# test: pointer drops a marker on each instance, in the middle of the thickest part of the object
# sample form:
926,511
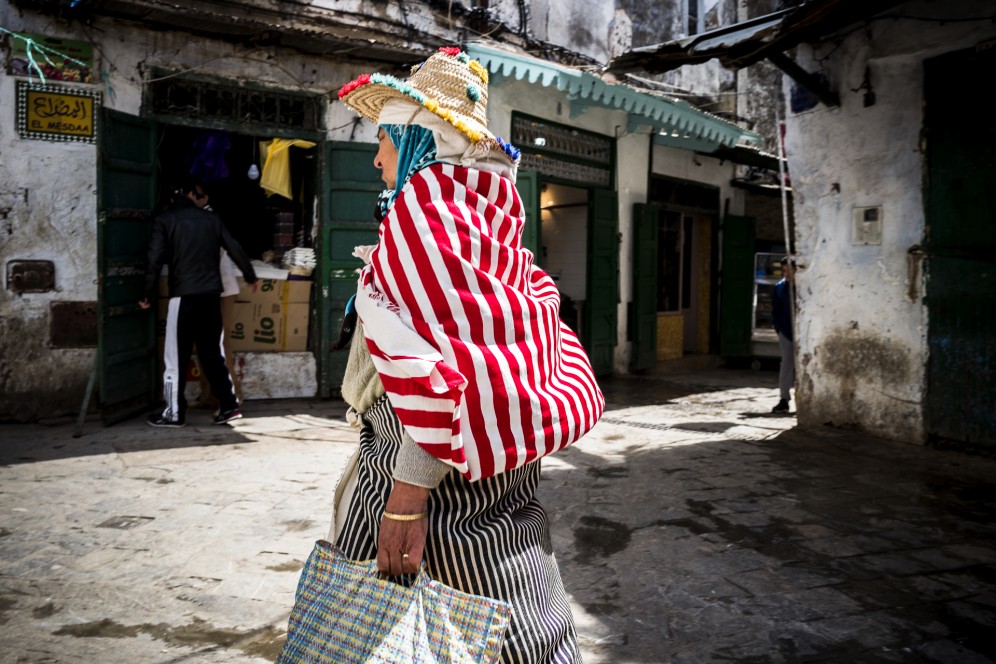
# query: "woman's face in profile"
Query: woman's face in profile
387,160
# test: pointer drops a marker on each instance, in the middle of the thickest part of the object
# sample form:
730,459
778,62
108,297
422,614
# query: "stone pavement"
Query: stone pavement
691,526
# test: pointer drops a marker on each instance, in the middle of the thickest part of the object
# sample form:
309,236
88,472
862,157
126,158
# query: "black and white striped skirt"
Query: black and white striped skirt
488,538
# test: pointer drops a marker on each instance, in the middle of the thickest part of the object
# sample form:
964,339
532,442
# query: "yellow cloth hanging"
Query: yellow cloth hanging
276,176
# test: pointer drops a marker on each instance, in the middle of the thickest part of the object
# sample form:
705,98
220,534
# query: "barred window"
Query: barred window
185,98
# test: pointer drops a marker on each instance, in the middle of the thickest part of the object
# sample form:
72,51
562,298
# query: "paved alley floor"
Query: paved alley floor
691,526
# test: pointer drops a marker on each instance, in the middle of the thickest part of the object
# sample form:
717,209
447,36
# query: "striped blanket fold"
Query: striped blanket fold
465,331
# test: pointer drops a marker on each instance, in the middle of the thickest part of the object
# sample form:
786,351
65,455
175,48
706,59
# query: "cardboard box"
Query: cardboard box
273,327
272,315
280,291
296,322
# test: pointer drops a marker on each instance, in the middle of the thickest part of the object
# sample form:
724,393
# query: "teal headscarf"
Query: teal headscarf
416,150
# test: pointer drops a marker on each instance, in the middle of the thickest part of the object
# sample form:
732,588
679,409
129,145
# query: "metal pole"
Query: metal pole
788,238
785,216
85,406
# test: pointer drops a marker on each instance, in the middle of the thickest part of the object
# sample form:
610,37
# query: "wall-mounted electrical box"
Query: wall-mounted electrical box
867,225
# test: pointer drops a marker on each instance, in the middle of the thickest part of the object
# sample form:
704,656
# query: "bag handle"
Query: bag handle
417,581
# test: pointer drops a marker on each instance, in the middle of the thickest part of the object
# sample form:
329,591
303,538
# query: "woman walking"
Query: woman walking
460,375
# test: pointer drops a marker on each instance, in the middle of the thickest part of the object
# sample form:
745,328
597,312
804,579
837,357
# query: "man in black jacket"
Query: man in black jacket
189,239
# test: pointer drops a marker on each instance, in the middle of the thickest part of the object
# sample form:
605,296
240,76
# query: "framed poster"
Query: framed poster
57,113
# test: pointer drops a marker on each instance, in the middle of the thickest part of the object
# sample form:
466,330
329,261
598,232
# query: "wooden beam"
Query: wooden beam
805,79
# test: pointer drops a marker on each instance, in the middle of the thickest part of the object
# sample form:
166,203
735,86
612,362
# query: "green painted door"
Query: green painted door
736,286
350,185
126,335
644,308
601,314
960,249
527,184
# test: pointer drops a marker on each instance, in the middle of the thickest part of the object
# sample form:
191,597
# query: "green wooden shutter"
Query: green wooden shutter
960,402
527,184
601,316
644,308
736,288
126,334
350,185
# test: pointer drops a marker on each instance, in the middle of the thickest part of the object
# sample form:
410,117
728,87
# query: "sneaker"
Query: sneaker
781,407
228,416
157,420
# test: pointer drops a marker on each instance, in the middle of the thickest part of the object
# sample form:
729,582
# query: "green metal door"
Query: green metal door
527,184
601,316
960,250
126,335
736,286
350,185
644,318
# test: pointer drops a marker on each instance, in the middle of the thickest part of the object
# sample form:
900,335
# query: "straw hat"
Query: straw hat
449,84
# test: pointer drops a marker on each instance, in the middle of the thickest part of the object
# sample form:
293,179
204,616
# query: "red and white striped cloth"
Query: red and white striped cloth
465,331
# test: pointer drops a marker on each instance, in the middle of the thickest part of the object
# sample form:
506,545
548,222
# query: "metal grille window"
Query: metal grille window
563,152
184,98
566,170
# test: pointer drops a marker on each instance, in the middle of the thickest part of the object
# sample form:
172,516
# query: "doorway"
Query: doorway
685,282
269,208
564,248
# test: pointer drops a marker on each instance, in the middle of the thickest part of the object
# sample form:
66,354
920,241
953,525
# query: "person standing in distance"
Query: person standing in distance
189,239
781,313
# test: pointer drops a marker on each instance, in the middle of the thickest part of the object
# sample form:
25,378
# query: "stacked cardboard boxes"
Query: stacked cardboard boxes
271,315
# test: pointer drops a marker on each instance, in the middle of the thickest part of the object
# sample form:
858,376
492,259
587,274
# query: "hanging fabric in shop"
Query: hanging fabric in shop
207,156
276,178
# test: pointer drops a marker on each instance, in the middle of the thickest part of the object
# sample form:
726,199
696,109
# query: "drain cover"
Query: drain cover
124,522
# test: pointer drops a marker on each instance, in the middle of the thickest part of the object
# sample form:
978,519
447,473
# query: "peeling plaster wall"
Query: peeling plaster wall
861,326
590,27
48,203
47,212
759,95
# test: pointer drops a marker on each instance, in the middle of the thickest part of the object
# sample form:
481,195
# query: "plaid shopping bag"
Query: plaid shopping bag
346,613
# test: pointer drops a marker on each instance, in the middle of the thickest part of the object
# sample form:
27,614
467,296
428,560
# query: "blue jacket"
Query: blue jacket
781,309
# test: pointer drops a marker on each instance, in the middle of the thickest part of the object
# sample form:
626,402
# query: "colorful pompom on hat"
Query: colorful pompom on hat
449,84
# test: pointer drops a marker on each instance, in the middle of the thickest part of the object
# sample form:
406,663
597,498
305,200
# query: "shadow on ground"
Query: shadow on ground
812,546
649,389
29,443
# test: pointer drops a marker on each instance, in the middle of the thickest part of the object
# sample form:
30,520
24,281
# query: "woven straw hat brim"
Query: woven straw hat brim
368,99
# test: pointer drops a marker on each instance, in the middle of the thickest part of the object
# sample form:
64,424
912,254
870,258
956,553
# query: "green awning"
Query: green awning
684,125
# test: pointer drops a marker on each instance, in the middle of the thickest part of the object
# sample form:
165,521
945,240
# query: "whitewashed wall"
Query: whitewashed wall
48,204
861,323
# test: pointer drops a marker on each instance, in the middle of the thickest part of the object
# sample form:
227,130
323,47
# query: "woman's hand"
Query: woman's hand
398,538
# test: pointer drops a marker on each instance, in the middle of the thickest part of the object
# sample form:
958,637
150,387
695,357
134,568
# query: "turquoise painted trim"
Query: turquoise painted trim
686,143
585,90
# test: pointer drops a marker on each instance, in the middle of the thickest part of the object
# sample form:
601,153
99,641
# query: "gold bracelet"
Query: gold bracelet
405,517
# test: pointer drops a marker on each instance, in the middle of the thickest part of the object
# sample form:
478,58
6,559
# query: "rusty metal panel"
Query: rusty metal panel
72,325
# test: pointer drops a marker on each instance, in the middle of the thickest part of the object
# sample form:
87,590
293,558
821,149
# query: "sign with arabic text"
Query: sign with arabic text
57,113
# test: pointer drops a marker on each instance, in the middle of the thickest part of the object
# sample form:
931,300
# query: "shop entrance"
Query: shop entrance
686,222
264,190
569,173
142,158
564,250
